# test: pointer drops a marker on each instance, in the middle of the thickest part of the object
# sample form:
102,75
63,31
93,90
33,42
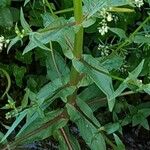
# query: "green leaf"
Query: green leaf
49,89
132,76
120,145
56,31
141,39
40,129
6,19
89,133
39,43
4,3
26,59
33,115
62,93
26,1
19,72
91,94
85,81
1,137
88,22
73,141
145,124
91,7
96,73
135,73
25,99
120,32
112,127
57,67
87,111
24,24
114,63
62,143
137,119
14,125
13,42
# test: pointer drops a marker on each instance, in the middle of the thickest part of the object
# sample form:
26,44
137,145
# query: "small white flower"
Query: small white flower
1,39
109,17
147,35
7,41
138,3
103,29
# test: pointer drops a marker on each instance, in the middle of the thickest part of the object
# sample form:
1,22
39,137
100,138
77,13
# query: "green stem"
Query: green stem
63,11
128,40
8,80
49,6
78,43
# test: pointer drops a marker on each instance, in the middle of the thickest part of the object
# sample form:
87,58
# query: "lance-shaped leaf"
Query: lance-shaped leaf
99,76
89,133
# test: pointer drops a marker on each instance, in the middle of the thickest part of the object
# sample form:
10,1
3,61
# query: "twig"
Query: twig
66,139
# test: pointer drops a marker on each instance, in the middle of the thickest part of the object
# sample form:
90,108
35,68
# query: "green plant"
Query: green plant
73,78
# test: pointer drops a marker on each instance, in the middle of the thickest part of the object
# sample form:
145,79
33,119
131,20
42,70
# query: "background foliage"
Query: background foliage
79,91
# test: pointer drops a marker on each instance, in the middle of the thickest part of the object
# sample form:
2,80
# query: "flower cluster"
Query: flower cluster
138,3
3,42
106,17
19,33
104,50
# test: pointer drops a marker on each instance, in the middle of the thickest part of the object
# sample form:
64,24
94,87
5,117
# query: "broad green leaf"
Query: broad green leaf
120,32
88,22
4,3
49,89
91,7
98,75
62,93
91,94
32,115
114,63
56,66
40,129
112,127
85,81
39,43
118,2
19,118
94,6
87,111
89,133
48,20
145,124
6,19
58,31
